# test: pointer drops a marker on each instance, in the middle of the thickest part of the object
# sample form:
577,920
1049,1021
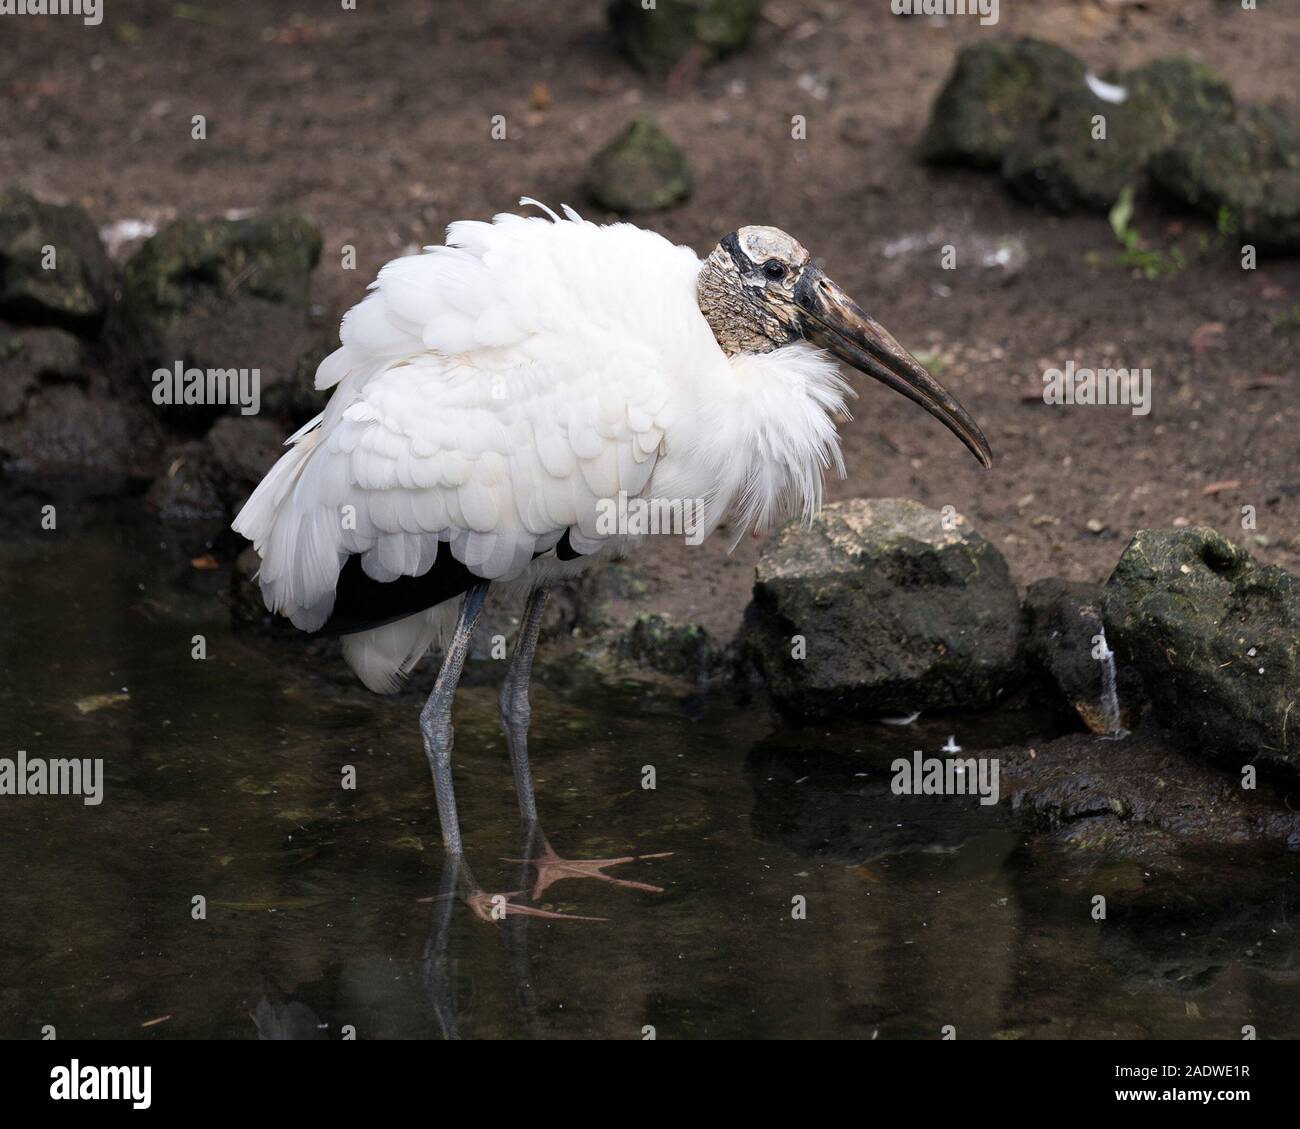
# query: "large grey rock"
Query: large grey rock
998,92
1249,166
896,613
75,292
657,38
1216,639
641,170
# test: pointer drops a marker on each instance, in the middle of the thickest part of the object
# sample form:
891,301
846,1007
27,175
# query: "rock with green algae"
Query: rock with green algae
222,294
268,257
998,92
655,642
1248,166
641,170
884,606
657,38
53,267
1067,141
1215,637
1087,150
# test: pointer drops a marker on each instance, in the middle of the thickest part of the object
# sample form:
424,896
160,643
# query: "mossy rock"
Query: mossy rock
642,170
74,293
222,294
997,93
654,642
1216,638
1248,166
882,606
1064,166
268,257
657,39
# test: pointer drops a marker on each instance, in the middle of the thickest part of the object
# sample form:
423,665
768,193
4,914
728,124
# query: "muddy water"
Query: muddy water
324,905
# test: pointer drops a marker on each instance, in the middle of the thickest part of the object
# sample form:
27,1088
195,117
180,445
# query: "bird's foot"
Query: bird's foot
551,868
497,907
459,881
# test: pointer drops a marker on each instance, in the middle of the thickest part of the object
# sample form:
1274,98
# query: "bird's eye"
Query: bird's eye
774,269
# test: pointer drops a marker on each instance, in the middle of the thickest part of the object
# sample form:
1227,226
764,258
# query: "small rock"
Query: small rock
191,489
657,38
895,613
683,650
74,293
642,170
1183,607
244,449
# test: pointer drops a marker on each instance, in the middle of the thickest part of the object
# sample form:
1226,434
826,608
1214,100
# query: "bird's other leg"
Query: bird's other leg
515,710
435,725
435,718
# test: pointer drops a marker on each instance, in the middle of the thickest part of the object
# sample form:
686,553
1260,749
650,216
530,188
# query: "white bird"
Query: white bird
495,397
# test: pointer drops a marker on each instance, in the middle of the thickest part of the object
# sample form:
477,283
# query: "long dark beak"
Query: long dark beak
831,319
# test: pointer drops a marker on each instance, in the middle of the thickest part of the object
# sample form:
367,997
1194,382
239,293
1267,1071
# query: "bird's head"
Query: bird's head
760,290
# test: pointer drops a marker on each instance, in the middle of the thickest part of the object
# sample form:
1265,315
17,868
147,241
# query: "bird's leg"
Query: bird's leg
515,714
515,710
435,718
435,725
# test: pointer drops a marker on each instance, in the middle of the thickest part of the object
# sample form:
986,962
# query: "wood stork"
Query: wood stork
493,394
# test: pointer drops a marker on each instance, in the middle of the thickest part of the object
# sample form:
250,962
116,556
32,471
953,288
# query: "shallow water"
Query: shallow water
324,905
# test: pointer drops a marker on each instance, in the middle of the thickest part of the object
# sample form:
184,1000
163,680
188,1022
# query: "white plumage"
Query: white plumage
489,393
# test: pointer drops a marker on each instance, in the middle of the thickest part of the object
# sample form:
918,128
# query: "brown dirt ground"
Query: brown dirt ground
375,124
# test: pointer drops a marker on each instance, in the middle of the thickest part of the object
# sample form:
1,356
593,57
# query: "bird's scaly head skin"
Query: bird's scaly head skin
760,290
743,286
